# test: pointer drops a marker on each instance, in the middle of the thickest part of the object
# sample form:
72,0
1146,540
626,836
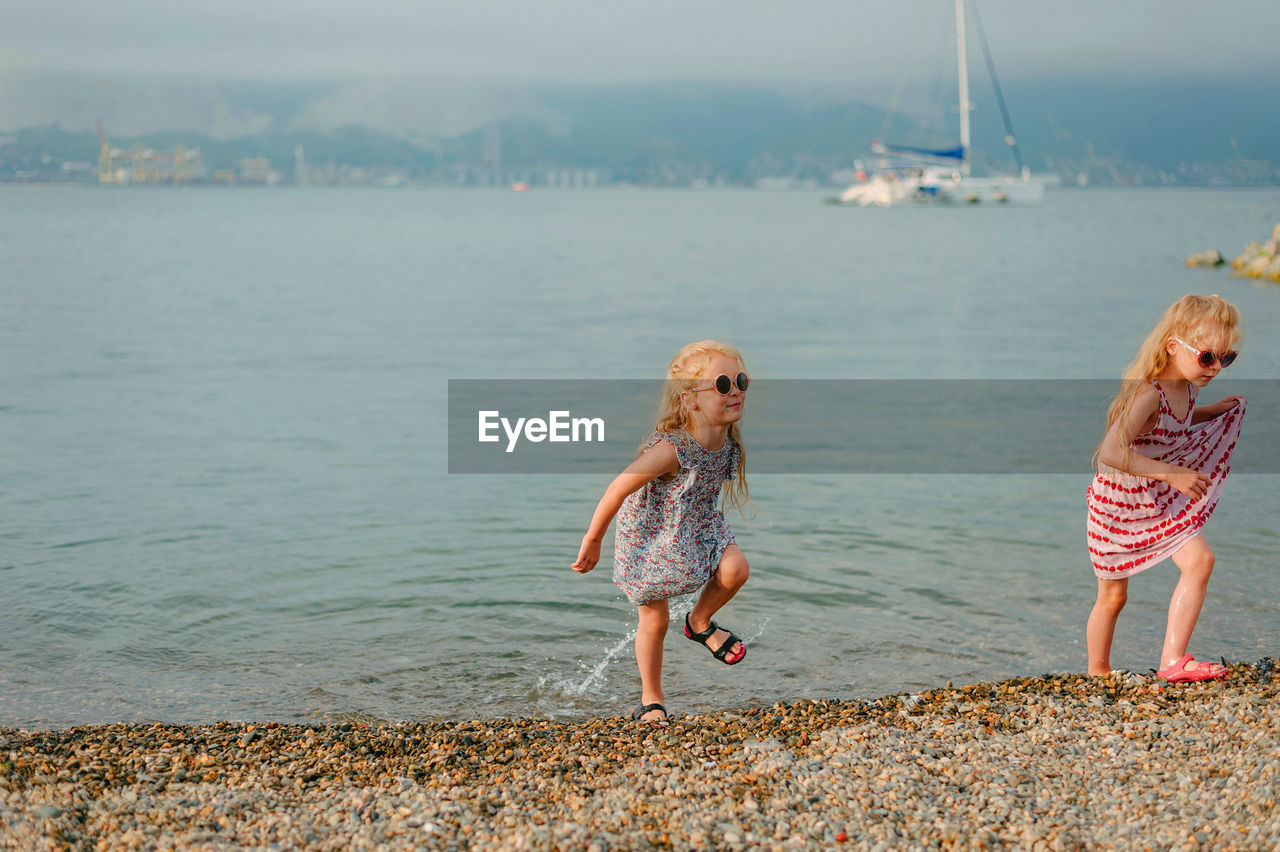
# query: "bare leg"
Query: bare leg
1195,560
719,590
1112,595
649,636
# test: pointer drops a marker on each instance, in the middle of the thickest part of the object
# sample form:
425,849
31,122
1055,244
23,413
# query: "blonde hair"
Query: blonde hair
1190,317
684,372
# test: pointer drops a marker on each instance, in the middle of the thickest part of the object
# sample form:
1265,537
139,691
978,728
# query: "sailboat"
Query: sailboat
943,174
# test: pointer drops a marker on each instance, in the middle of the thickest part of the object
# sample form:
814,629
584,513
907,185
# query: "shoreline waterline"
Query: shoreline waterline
1047,762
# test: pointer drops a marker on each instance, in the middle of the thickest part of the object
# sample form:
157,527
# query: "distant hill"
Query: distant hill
1108,130
1159,122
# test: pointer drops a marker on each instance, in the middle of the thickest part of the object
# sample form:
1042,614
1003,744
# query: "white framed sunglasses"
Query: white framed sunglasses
1206,357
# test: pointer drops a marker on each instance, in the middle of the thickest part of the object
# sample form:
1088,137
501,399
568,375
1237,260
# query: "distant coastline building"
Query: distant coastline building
557,176
300,175
256,170
575,178
143,165
492,142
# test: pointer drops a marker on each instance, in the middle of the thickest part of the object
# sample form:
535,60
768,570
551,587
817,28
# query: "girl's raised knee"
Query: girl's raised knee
734,572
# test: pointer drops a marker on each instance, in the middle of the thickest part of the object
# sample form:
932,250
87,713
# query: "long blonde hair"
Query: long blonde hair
1186,318
683,373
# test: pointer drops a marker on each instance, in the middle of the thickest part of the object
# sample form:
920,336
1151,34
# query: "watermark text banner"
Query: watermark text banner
808,426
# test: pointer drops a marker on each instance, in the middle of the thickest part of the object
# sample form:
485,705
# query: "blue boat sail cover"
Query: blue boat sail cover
956,153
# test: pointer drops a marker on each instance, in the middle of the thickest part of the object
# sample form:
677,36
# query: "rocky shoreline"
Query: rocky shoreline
1051,762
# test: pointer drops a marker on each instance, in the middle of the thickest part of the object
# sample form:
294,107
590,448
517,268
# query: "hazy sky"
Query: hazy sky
810,41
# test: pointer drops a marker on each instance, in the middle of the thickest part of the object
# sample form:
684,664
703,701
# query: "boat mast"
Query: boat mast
964,87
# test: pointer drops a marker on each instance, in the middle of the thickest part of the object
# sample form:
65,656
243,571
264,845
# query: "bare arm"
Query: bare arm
1141,417
660,460
1208,412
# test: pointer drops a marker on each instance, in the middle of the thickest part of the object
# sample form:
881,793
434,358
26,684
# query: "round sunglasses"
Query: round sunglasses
724,385
1205,357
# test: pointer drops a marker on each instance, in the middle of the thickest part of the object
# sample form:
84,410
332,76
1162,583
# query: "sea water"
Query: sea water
224,487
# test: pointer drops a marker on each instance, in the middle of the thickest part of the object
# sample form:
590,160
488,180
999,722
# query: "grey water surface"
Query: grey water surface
223,469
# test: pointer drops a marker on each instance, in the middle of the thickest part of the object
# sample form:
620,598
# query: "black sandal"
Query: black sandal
721,652
641,709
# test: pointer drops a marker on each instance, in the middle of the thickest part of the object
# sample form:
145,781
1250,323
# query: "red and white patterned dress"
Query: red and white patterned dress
1135,522
671,533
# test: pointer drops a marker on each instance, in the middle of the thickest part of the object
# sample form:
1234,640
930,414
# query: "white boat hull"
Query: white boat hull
891,191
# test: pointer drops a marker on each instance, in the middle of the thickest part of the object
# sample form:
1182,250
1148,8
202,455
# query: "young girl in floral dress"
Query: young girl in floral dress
672,538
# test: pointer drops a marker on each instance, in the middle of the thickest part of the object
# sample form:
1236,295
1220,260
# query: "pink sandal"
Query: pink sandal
1179,673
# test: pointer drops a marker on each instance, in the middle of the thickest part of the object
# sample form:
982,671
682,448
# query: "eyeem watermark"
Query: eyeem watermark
560,427
819,426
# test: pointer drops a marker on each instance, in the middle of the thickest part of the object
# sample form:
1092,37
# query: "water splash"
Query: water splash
680,607
759,630
596,676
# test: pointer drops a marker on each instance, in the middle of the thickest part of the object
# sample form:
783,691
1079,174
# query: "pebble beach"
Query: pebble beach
1050,762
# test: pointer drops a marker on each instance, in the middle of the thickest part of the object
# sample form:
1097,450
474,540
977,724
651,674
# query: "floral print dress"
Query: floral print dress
671,533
